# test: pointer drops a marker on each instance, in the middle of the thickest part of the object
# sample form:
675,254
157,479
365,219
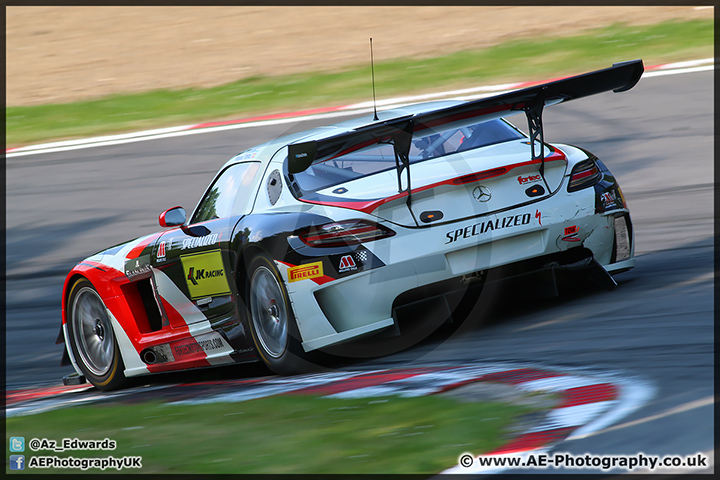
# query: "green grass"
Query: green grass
520,60
282,434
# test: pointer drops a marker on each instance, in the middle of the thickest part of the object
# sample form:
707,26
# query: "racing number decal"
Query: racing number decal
204,274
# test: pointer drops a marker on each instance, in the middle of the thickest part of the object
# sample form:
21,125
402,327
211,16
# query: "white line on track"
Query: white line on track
692,66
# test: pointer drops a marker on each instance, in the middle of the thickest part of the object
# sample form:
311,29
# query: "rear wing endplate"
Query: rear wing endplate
399,131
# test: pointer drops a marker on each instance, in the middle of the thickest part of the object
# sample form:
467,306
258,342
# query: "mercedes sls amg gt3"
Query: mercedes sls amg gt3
322,237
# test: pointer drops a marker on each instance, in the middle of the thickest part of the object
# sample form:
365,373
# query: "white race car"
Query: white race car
323,236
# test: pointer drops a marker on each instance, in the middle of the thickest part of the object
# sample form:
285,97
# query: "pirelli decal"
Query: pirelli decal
303,272
205,275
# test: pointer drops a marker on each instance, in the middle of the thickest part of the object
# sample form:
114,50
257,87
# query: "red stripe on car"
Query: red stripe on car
369,206
138,249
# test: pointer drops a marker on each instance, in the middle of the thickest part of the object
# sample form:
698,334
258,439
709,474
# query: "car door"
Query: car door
193,269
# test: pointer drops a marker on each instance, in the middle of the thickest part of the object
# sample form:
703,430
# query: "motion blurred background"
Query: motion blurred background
62,54
78,72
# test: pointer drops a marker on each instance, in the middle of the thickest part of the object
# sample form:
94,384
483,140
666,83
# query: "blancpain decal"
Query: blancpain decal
490,225
195,242
138,266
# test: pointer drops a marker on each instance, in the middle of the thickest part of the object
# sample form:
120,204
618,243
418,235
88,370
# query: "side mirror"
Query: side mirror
173,217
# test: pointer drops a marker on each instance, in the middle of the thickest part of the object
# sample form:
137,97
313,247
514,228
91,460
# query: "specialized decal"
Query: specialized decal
538,215
529,179
490,225
138,266
347,264
195,242
304,272
204,274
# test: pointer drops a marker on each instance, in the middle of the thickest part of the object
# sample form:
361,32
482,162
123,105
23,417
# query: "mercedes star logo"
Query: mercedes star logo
482,193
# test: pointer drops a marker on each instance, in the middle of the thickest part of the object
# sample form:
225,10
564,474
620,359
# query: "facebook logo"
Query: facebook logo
17,462
17,444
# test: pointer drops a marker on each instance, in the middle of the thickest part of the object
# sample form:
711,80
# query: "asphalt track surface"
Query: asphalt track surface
657,325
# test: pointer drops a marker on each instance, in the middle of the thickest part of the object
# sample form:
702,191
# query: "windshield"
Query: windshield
381,157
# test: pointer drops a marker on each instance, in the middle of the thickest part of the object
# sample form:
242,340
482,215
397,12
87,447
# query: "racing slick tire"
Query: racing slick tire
91,338
272,322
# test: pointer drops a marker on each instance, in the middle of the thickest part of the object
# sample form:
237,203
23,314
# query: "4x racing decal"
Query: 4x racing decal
499,223
204,274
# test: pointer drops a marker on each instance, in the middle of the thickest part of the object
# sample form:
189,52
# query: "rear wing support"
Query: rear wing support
399,131
534,117
401,140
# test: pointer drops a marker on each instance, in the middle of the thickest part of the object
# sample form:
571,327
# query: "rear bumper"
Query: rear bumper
529,238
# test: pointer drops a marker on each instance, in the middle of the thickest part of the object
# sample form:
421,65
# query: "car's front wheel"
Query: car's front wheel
272,323
91,337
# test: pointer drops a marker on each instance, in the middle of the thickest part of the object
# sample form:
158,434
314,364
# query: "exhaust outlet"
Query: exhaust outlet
149,357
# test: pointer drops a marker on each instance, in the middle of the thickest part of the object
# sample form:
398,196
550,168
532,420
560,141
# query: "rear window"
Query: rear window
381,157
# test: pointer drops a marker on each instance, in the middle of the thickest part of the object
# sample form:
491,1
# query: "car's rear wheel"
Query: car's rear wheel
92,339
272,323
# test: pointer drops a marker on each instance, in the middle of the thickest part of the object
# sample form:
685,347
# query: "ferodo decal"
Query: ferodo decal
303,272
204,274
491,225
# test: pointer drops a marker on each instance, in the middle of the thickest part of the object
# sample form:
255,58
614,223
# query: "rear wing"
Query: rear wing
399,131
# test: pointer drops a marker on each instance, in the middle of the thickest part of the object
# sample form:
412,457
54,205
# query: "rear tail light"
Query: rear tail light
585,174
347,232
